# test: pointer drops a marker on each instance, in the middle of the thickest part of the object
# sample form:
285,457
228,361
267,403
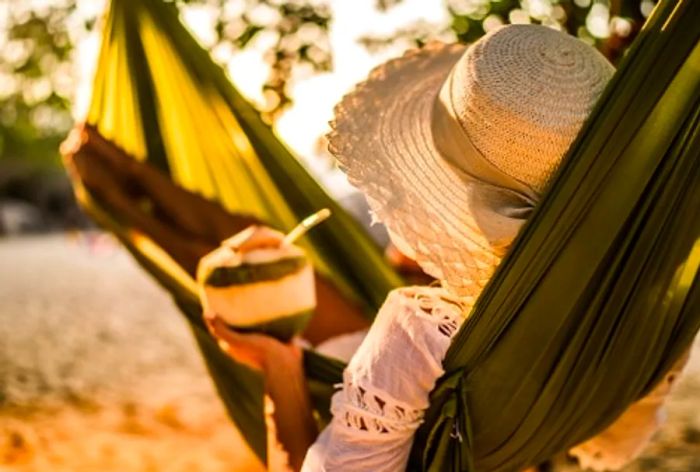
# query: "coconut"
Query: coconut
266,290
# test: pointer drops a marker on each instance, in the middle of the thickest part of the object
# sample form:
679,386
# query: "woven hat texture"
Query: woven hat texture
452,146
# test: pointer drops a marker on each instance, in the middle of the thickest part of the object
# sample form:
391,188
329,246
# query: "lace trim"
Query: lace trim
368,409
439,306
365,408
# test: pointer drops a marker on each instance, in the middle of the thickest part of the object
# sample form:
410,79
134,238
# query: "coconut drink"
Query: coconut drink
265,289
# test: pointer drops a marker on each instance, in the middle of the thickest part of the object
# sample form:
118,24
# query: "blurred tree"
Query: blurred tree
298,30
609,25
36,81
37,46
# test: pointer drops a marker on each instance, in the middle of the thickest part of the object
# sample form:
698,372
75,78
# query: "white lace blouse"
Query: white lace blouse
387,383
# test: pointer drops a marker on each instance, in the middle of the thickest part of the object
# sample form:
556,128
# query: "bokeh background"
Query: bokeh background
97,371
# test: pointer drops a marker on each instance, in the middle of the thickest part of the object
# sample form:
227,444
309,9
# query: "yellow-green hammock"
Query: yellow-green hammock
597,299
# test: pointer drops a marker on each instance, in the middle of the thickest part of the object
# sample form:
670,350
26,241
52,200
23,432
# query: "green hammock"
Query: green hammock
601,292
594,303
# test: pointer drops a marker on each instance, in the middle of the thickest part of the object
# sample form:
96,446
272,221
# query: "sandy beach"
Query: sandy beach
98,372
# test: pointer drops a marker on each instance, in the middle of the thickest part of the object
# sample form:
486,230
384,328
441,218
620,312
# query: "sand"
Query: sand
98,372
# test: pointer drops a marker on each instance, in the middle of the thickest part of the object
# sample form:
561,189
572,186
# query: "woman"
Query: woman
452,149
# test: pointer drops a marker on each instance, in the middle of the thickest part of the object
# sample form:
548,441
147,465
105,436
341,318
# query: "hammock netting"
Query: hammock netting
593,304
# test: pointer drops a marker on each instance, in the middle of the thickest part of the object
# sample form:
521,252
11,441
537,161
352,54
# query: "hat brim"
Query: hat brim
382,139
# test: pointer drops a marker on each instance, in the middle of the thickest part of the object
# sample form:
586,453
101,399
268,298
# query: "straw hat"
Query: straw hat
453,147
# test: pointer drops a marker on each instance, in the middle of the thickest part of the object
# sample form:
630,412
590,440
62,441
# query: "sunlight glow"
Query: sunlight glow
306,120
303,124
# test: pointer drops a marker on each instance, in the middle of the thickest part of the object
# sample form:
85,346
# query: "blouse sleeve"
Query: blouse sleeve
387,383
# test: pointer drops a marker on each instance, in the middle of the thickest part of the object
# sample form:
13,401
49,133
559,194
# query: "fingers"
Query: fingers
74,141
255,237
257,351
242,348
249,340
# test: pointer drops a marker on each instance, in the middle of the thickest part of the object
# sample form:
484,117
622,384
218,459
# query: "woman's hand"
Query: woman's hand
257,351
283,372
255,237
280,363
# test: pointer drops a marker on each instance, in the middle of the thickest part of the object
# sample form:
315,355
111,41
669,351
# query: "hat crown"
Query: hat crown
522,94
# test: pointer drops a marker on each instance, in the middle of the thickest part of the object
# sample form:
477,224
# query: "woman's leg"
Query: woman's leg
185,225
185,210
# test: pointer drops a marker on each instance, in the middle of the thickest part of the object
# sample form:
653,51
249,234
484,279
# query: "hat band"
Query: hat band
499,203
456,146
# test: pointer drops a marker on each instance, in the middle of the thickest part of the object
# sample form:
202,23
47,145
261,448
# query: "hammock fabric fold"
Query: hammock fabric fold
159,97
597,299
600,293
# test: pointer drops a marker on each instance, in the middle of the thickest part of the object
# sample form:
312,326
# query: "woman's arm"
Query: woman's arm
285,383
387,384
280,364
296,427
